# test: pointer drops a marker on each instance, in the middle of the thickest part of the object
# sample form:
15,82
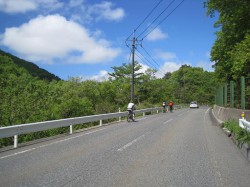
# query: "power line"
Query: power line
145,18
156,18
150,56
149,62
163,19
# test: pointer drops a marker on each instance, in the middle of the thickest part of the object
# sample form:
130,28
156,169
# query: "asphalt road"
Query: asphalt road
183,148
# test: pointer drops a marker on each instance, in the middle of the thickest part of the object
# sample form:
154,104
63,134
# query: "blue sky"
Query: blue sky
85,38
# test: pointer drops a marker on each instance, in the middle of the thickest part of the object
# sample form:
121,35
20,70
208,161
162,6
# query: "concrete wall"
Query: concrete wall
225,114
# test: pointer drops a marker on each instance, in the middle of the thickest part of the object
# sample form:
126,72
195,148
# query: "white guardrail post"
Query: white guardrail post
15,130
71,129
244,124
120,118
15,141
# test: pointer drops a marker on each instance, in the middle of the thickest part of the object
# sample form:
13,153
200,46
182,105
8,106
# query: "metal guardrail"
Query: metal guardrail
244,124
16,130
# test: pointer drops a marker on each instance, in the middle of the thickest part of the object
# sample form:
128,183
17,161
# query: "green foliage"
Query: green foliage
192,83
241,135
241,58
31,68
124,72
230,51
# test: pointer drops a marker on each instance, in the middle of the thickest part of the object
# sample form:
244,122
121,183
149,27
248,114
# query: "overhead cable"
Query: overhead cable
150,56
145,18
149,63
156,18
163,19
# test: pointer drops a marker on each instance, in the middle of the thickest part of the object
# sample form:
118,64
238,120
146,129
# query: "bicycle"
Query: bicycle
171,108
130,116
164,109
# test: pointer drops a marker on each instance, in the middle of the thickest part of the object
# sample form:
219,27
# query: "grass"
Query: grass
241,135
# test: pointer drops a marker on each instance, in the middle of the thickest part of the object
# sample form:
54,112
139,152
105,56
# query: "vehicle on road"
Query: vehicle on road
194,104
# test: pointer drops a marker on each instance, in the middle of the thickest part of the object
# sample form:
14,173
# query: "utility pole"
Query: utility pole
133,69
135,42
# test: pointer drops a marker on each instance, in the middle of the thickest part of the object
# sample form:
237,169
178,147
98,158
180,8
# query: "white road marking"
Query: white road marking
168,121
206,113
180,114
46,145
131,143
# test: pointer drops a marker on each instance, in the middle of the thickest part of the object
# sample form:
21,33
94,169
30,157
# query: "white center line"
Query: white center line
131,143
168,121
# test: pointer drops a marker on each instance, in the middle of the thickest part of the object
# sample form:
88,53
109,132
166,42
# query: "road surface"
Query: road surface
183,148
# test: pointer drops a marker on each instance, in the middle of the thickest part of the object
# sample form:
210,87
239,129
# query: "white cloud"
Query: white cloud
144,68
165,55
75,3
104,11
157,34
46,38
102,76
22,6
73,8
17,6
167,67
205,65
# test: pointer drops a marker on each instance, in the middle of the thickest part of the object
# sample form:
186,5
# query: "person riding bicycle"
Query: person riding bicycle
131,107
164,106
171,104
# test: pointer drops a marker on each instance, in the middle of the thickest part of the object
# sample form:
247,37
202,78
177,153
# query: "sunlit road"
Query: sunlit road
183,148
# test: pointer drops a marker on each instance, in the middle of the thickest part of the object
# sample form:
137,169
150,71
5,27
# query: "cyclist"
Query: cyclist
171,104
164,106
131,108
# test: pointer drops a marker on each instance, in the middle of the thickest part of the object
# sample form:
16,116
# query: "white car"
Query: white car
194,104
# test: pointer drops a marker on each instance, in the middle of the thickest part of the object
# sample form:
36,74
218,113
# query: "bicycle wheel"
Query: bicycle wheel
133,117
128,117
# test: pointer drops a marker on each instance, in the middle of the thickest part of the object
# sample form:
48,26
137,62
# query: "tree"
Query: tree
125,71
167,75
241,58
192,83
234,27
121,77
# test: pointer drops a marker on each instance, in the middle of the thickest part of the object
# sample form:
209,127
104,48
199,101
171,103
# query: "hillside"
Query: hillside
33,69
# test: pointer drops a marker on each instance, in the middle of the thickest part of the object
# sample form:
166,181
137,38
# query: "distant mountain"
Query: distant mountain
33,69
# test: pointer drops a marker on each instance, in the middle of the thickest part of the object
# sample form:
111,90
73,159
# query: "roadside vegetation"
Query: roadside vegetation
239,134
